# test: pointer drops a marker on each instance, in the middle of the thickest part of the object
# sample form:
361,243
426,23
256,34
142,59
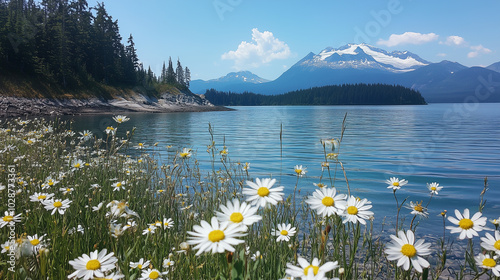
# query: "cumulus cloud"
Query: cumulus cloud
413,38
454,41
263,49
477,50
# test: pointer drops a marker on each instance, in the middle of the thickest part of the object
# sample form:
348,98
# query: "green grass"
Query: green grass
180,190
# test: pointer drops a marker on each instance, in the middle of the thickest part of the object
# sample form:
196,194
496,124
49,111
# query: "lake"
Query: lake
456,145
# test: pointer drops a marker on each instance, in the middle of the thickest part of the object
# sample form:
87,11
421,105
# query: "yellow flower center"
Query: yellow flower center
466,223
408,250
433,188
57,204
284,232
8,218
236,217
68,190
154,275
77,165
328,201
139,266
184,155
93,265
51,183
30,142
119,184
488,262
7,248
140,144
352,210
321,185
298,171
497,245
396,184
216,235
35,242
418,208
315,269
263,191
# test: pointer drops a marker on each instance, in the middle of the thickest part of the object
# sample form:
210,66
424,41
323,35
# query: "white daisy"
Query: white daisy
417,209
98,207
77,164
167,263
284,232
235,213
66,190
49,182
120,119
167,223
140,146
8,246
56,205
39,197
95,265
326,202
150,229
299,170
36,242
110,130
406,251
320,185
395,184
434,188
118,185
186,153
468,227
9,217
491,243
488,262
256,256
307,270
262,192
215,237
112,276
357,210
85,135
141,264
153,274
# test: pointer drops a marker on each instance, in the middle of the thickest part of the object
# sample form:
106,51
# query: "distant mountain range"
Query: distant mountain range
445,81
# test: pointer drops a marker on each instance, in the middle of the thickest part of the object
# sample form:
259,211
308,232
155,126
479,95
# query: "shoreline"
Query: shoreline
11,106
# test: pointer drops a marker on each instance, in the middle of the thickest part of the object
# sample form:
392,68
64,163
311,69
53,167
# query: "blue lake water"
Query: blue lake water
456,145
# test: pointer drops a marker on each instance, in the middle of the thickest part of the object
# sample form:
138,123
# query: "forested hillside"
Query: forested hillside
357,94
64,45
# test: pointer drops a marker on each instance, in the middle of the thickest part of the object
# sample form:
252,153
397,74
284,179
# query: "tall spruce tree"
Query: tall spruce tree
187,77
179,72
171,79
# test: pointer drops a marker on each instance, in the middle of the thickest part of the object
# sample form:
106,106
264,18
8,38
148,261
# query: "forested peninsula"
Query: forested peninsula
347,94
70,56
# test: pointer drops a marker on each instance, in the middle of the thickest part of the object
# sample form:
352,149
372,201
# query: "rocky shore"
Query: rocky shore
19,106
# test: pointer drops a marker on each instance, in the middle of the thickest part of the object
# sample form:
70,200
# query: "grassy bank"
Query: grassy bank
73,199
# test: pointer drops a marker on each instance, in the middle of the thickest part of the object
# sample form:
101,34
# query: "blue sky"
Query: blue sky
215,37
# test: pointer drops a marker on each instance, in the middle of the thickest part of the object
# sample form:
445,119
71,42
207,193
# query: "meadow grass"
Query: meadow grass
127,200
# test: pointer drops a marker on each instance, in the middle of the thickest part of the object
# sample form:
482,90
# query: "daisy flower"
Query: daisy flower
93,266
256,256
406,251
39,197
167,263
141,264
8,246
299,170
98,207
77,164
491,243
140,146
186,153
112,276
305,270
120,119
395,184
215,237
167,223
246,166
284,232
110,130
150,229
357,210
66,190
487,262
49,182
118,185
85,135
36,242
417,209
56,205
434,188
326,202
320,185
235,213
468,227
262,192
152,274
9,217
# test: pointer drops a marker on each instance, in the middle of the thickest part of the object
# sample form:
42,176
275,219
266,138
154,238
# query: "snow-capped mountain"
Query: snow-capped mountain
363,56
231,80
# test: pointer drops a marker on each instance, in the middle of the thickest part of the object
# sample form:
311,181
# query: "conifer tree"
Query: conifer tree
187,77
171,79
180,73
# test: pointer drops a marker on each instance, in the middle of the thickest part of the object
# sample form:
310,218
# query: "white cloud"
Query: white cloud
477,50
454,41
263,49
413,38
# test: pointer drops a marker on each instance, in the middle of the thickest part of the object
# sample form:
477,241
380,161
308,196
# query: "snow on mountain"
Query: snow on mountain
365,56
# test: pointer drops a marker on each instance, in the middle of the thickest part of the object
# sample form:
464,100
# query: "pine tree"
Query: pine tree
187,77
170,72
180,73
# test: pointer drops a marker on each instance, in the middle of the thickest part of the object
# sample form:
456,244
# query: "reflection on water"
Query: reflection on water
423,144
